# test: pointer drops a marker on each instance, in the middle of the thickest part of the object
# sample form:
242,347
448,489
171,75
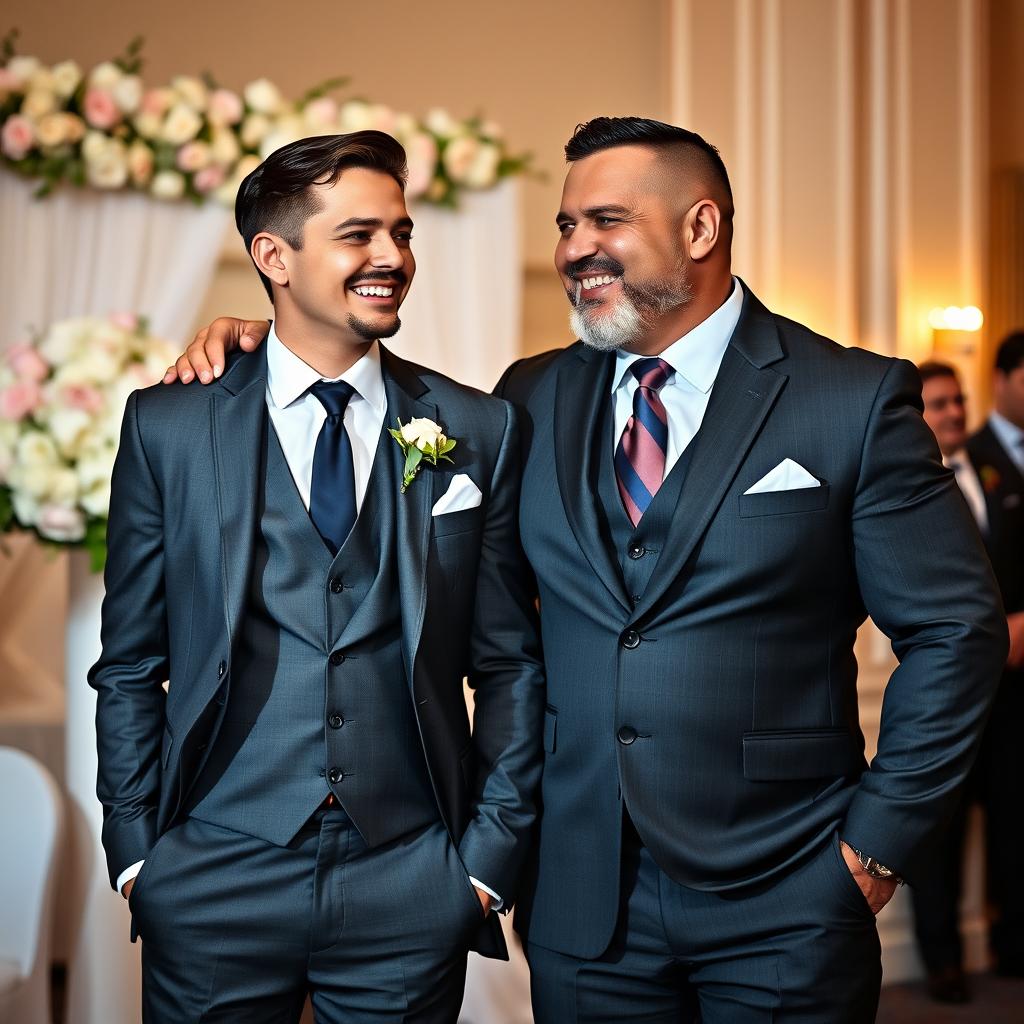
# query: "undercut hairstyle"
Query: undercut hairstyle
702,159
1010,353
933,368
279,195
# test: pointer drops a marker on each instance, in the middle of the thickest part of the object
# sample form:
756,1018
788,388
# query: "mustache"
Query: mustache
593,266
389,276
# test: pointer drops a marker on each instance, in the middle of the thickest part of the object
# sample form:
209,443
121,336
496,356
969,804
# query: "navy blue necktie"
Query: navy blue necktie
332,495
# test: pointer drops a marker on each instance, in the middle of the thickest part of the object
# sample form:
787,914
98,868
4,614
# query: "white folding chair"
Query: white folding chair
31,814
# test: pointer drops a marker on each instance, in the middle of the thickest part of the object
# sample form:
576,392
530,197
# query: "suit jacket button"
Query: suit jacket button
336,585
335,721
637,551
221,669
630,639
627,734
335,775
336,658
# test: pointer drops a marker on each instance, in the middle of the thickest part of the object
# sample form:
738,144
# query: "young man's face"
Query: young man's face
944,412
620,253
1009,395
355,265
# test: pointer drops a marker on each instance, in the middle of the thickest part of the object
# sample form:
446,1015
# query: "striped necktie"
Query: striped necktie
640,455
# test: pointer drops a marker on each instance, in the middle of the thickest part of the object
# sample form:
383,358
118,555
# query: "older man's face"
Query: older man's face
619,254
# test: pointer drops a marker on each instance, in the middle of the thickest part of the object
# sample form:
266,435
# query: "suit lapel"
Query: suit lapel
743,394
583,390
239,419
406,394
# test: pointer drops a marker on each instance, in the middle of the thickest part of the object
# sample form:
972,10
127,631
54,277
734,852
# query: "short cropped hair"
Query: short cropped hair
278,195
605,132
1010,353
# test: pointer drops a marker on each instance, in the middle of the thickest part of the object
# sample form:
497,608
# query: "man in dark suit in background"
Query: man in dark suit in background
714,497
306,811
997,451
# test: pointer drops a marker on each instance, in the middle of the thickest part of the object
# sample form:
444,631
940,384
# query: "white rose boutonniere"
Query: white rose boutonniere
421,440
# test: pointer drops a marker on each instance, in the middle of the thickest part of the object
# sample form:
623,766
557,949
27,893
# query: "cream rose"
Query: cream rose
140,163
224,147
254,128
52,131
128,94
182,125
109,167
192,91
225,108
168,185
66,77
263,96
38,103
193,156
356,116
105,75
423,433
148,125
440,122
22,69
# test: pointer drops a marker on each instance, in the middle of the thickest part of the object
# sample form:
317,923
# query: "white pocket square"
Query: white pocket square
462,494
786,476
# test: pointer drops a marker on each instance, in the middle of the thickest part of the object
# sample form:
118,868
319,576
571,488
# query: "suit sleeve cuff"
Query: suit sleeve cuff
129,873
496,901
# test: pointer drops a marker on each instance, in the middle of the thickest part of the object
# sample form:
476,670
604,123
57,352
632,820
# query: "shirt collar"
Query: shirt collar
1010,436
698,354
289,377
957,458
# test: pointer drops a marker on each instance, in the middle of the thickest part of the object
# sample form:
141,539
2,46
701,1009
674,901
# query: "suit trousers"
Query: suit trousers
236,929
803,948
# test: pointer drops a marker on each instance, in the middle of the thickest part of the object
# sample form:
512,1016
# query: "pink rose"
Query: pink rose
18,400
100,109
225,107
27,363
84,397
126,321
321,111
155,101
209,178
17,137
58,522
8,81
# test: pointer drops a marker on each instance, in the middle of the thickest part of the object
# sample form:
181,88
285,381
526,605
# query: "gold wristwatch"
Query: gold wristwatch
876,869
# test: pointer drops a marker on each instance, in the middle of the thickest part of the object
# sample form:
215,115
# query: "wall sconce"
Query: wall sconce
955,330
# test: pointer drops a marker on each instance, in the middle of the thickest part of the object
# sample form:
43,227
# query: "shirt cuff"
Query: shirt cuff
496,901
129,873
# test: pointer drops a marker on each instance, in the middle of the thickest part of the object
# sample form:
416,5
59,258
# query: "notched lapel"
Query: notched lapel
239,418
744,392
407,399
583,390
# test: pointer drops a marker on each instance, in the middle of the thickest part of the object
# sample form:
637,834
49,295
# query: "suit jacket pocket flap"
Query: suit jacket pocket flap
800,754
780,503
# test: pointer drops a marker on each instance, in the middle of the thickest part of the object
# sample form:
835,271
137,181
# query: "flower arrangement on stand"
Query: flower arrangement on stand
195,139
62,397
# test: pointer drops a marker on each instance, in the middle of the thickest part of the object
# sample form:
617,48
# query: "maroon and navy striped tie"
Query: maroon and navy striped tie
640,455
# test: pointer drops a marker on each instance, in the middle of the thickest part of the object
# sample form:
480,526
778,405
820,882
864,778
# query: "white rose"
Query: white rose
254,128
458,157
96,466
68,428
66,77
224,147
406,125
64,486
62,340
61,523
423,433
94,144
96,500
38,103
105,75
127,94
35,462
9,433
483,171
440,122
22,69
168,185
109,169
286,131
356,116
263,96
182,125
26,508
192,91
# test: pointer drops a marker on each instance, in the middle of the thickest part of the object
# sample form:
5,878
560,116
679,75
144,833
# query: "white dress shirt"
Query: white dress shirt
695,357
970,485
1010,436
297,415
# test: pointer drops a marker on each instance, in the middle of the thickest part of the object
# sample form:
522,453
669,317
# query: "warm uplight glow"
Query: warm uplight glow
955,318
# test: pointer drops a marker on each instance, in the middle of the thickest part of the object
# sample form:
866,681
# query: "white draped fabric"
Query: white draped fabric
77,253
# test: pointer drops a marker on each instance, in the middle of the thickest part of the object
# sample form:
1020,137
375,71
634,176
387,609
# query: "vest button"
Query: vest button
336,658
636,551
336,585
627,734
335,775
335,721
630,639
